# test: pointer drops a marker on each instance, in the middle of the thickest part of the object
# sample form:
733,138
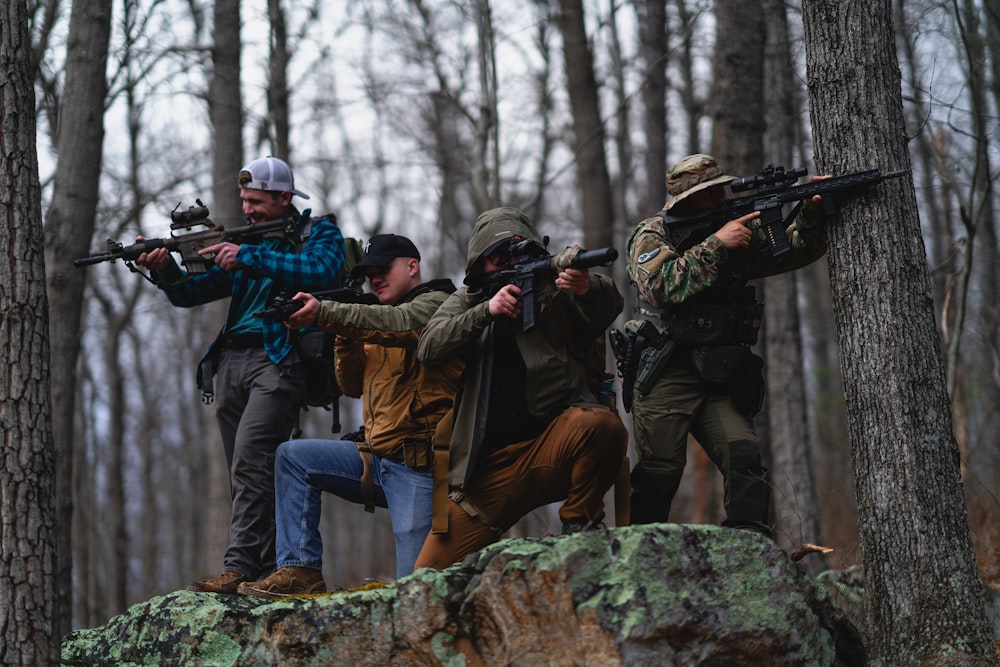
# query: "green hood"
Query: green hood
492,227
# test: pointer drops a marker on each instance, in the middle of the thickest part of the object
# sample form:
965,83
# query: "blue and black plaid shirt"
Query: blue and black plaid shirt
318,266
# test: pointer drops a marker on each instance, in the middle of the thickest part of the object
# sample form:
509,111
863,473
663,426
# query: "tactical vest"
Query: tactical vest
717,316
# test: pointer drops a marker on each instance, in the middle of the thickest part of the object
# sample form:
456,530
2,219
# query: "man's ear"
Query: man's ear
414,266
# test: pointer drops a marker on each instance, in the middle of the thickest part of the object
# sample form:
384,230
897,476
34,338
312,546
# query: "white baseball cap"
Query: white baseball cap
270,173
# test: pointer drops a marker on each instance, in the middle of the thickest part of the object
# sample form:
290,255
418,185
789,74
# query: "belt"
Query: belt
243,341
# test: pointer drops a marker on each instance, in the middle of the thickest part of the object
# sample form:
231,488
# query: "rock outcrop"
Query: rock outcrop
644,595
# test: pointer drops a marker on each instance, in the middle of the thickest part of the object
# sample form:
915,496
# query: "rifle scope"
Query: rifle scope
193,214
768,176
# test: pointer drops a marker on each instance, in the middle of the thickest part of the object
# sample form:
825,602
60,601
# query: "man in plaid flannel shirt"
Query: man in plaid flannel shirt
260,381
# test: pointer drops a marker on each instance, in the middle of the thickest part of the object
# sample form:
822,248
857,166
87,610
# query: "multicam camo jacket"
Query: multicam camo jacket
664,276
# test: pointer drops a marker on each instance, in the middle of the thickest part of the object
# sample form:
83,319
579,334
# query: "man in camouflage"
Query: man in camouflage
706,381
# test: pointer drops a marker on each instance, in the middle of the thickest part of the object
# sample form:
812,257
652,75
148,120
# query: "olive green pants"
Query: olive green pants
679,403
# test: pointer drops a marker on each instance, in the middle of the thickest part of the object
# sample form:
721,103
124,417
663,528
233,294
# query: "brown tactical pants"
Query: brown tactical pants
575,459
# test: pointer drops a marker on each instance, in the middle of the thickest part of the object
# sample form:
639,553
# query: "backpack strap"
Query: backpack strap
439,493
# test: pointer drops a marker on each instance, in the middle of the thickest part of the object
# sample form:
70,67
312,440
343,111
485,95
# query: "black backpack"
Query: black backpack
315,346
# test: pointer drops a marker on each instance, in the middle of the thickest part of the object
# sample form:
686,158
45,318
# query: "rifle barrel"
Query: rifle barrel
599,257
836,184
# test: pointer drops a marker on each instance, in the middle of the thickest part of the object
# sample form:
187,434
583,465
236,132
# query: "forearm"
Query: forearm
393,326
317,267
454,328
186,290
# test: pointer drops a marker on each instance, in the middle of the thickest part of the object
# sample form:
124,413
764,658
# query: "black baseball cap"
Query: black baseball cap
381,249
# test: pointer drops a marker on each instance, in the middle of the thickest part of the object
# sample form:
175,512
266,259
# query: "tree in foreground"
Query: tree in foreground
27,511
923,596
69,226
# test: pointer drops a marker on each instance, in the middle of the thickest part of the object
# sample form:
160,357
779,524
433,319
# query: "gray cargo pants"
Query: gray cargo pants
257,403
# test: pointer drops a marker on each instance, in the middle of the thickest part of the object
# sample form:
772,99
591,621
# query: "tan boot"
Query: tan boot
286,582
226,582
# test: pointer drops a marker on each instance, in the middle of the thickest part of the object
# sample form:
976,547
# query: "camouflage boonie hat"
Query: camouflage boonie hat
693,174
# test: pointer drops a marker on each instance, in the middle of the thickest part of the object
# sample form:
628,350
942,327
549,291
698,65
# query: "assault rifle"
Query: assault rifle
189,244
534,268
774,188
284,306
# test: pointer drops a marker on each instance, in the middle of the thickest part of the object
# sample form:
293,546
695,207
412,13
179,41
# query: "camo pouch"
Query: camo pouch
717,363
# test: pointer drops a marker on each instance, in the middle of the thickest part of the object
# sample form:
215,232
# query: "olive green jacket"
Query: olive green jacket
556,378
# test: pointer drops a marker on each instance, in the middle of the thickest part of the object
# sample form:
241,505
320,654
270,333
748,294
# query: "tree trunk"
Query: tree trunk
486,155
737,106
738,87
652,18
691,102
981,369
796,509
28,629
544,101
914,530
117,308
226,113
588,130
277,89
69,227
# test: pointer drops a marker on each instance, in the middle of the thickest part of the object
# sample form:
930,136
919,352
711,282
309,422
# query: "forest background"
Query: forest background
412,117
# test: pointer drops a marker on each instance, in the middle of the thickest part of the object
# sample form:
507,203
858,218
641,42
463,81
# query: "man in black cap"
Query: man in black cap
403,403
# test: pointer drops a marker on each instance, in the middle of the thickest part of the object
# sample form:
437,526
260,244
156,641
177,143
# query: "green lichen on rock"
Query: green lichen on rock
646,594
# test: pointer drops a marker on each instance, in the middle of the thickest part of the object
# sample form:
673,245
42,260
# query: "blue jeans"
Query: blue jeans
305,468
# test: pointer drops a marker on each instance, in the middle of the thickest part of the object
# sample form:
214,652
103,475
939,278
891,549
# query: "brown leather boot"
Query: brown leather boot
286,582
225,582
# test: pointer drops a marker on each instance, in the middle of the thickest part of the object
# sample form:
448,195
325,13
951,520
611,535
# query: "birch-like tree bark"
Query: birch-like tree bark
923,596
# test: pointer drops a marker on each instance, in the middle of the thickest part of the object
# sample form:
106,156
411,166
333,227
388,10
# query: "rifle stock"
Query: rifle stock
684,231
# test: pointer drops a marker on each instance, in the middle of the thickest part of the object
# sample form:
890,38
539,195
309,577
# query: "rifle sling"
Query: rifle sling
472,510
439,493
